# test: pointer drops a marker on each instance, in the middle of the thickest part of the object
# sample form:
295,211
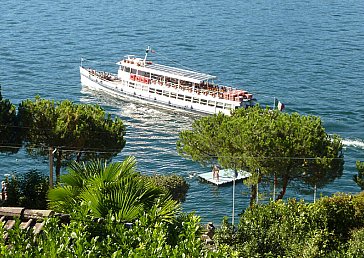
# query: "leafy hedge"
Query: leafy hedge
147,237
298,229
173,184
28,190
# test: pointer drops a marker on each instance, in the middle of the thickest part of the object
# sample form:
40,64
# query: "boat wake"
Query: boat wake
357,143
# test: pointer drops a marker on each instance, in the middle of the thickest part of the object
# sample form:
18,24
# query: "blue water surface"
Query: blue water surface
308,54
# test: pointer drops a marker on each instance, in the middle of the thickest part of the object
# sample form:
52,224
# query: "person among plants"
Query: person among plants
3,190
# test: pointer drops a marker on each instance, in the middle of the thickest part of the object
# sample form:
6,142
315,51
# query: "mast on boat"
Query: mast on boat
146,54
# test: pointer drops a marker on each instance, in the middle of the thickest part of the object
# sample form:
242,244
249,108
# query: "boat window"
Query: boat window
159,92
211,103
220,105
142,73
151,90
134,71
154,76
227,106
127,69
196,100
145,88
180,96
203,102
188,99
173,95
166,93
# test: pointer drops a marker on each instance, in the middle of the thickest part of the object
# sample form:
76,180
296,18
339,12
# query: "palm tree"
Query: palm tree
115,189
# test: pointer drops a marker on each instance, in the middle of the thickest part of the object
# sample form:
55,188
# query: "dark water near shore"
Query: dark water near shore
308,54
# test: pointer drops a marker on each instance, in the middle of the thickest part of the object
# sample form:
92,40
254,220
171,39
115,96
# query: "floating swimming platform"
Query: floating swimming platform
226,176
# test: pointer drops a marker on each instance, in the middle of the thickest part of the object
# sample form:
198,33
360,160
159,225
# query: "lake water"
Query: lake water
308,54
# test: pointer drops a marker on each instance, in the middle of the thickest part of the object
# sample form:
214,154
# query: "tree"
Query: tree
10,138
282,144
76,131
359,178
28,190
172,184
203,140
269,143
115,188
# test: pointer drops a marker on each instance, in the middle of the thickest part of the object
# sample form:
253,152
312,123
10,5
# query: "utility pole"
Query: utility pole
51,153
233,215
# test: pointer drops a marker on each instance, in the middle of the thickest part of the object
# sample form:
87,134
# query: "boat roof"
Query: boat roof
179,73
173,72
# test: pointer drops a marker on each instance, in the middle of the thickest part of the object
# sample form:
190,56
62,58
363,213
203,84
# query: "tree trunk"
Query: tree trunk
78,157
284,188
253,195
274,187
254,192
58,165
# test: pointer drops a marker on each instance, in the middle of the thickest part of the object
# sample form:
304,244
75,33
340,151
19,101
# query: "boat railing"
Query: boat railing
213,90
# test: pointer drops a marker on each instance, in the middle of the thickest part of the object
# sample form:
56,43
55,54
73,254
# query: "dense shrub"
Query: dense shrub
175,185
356,244
343,213
87,238
298,229
28,190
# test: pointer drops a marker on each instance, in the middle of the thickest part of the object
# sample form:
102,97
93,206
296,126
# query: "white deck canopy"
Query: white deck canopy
172,72
179,73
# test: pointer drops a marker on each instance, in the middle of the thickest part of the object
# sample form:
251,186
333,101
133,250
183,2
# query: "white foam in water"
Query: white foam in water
354,143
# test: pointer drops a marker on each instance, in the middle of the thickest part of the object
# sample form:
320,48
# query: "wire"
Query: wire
47,129
96,150
68,149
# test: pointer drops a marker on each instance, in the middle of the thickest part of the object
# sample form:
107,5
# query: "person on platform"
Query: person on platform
215,173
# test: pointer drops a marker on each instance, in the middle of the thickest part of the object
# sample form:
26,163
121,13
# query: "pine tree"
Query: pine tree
359,178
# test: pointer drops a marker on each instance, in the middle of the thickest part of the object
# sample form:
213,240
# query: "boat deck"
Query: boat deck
225,176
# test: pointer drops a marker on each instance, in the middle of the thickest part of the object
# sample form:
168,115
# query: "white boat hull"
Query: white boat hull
140,92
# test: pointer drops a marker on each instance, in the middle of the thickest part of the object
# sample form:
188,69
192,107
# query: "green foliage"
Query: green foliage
225,234
278,229
290,147
117,188
83,131
359,178
298,229
331,227
172,184
28,190
201,143
343,213
356,244
10,137
145,238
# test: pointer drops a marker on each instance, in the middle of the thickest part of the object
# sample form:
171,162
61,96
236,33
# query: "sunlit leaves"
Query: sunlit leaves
290,147
114,188
10,137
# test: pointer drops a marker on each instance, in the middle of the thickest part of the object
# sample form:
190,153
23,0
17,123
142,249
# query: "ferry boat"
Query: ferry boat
166,86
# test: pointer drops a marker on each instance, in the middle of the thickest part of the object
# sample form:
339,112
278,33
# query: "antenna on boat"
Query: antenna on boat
146,53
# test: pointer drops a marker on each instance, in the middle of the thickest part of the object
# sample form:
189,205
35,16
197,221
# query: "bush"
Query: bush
343,214
173,184
28,190
80,239
356,244
295,228
280,229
